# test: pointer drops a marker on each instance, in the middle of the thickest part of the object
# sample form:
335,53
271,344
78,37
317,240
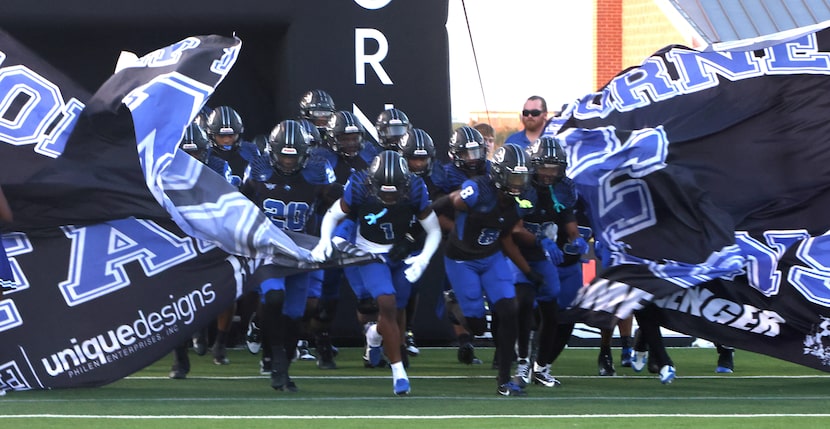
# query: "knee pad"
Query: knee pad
275,298
367,306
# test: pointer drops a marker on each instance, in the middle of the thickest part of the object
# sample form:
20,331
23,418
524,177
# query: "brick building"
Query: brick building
627,32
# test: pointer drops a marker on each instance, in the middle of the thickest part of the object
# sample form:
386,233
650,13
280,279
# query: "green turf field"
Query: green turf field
762,393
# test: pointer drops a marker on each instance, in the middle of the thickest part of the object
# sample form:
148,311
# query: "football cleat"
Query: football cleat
467,354
411,348
279,380
606,365
302,351
200,343
523,372
291,386
726,360
626,356
667,374
544,378
253,337
639,361
511,389
401,387
177,375
325,353
373,357
220,355
279,374
265,366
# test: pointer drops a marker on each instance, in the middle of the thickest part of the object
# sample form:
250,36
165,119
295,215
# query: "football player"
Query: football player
487,212
286,184
383,199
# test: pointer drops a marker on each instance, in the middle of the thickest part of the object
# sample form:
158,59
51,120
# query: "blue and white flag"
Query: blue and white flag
707,175
121,245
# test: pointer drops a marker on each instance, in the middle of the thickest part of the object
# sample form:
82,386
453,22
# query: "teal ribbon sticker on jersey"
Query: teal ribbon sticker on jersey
372,218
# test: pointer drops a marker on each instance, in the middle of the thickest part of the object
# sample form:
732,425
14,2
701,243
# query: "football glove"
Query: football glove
577,247
417,266
261,169
402,248
321,251
554,253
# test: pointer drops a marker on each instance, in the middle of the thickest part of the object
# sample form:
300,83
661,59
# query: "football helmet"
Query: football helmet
346,134
417,148
288,147
468,150
224,121
317,106
313,131
510,170
261,142
548,160
389,177
195,142
392,125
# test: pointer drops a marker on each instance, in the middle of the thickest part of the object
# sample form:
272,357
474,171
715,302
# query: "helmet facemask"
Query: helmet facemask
348,145
419,165
472,157
548,174
389,177
288,161
515,181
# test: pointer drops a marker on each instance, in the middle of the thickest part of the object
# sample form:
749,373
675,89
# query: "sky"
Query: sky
524,48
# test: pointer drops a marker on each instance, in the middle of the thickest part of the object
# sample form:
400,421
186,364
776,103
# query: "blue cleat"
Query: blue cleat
401,387
373,357
626,357
511,388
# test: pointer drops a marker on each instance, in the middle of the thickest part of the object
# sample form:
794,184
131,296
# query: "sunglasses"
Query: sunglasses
535,112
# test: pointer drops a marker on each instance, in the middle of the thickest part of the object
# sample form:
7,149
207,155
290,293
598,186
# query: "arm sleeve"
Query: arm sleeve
333,216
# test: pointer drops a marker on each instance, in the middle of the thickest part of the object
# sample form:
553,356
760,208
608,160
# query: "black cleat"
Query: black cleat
606,365
467,354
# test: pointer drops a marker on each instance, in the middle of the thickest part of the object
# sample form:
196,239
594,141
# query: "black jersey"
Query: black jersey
379,223
343,167
434,181
477,231
548,210
288,199
238,159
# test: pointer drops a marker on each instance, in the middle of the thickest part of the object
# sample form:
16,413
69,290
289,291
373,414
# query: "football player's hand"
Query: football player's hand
261,168
417,266
554,253
402,248
321,251
577,247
